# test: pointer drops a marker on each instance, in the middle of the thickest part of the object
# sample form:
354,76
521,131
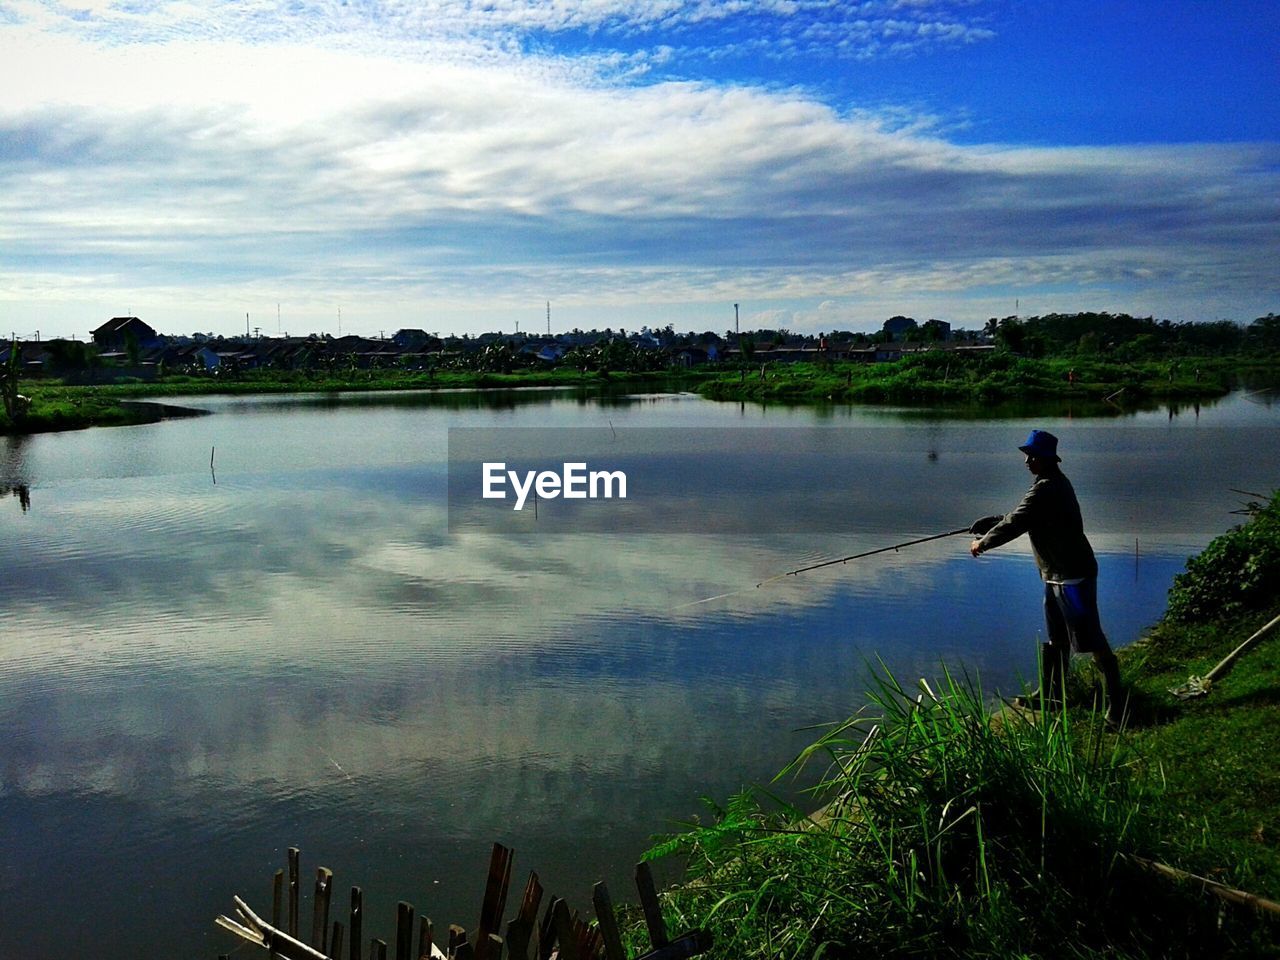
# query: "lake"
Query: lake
327,640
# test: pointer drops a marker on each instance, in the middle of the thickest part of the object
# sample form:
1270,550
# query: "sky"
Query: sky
358,166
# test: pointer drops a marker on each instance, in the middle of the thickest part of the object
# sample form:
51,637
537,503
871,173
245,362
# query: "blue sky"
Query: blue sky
455,165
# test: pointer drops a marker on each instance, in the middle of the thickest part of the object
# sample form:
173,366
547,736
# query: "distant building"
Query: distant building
115,333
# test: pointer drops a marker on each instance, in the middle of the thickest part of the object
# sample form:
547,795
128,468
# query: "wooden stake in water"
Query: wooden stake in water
404,930
320,911
292,929
357,922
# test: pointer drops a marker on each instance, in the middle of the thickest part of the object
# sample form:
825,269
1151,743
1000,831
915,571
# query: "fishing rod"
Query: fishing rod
867,553
852,556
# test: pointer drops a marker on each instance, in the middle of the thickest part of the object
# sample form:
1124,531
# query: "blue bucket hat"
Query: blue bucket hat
1042,445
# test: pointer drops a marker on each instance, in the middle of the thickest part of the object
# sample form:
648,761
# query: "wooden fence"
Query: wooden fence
558,935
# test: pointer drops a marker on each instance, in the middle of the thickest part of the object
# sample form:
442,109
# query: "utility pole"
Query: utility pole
548,318
736,331
246,324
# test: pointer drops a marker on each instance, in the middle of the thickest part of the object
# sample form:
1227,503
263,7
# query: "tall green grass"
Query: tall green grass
942,833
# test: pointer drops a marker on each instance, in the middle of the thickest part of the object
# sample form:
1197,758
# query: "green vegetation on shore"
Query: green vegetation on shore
955,377
924,378
945,832
57,406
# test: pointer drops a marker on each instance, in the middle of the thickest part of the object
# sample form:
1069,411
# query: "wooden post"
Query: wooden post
520,930
457,937
320,908
426,938
613,949
495,898
356,922
335,941
519,933
404,930
377,949
277,898
547,930
566,940
293,893
530,901
649,904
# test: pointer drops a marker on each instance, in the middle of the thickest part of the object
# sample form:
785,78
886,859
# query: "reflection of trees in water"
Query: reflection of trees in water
13,473
19,490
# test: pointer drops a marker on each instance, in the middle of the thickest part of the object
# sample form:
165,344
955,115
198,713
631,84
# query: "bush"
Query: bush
942,835
1237,573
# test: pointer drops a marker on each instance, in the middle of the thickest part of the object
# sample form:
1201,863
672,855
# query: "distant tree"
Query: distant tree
14,407
933,331
1012,334
902,328
1264,333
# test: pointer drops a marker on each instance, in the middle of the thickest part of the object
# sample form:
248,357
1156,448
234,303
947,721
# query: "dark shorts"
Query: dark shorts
1071,614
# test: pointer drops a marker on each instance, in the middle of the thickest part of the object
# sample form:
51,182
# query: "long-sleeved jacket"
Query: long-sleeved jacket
1050,515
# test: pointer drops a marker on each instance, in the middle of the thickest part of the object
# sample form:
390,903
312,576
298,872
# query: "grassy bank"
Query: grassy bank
945,834
59,406
939,377
929,378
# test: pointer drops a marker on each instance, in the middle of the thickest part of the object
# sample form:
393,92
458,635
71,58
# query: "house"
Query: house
118,332
208,357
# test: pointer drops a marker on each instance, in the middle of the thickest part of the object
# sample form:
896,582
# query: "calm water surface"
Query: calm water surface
199,669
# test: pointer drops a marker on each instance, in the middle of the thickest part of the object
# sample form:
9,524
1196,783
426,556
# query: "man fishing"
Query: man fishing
1050,515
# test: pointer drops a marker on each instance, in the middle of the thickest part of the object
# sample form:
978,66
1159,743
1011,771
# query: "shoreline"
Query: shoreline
926,381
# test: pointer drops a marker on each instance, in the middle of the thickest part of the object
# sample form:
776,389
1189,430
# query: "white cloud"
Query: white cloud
456,173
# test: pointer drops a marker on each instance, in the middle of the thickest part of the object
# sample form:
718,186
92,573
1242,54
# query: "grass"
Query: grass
58,406
73,408
946,833
938,377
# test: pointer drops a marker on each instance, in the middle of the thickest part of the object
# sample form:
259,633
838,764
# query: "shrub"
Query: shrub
1238,572
942,835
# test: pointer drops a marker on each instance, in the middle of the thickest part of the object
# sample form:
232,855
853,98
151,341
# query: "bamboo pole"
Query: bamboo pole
320,909
404,930
1220,890
294,854
1199,686
356,921
256,930
277,897
426,939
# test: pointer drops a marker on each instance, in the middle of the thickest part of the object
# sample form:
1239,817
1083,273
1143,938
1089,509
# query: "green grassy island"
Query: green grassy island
949,828
927,378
